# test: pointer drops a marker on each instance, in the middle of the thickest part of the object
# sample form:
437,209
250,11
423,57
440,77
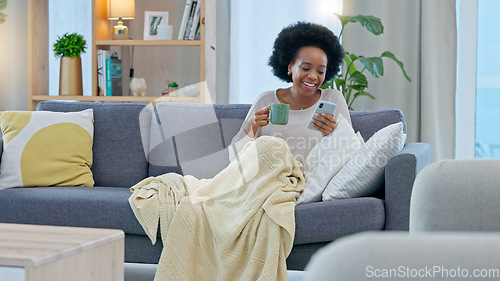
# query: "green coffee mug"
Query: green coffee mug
278,113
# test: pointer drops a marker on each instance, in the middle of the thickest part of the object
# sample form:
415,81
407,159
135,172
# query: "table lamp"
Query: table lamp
120,10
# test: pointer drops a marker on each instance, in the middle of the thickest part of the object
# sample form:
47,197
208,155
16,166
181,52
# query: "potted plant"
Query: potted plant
3,5
69,48
351,82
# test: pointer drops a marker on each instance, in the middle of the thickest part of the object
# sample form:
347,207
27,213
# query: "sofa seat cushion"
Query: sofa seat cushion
327,221
97,207
108,207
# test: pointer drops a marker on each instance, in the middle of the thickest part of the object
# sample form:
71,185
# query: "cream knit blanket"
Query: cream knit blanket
238,225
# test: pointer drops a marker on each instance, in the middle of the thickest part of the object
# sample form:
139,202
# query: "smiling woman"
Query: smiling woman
254,26
306,55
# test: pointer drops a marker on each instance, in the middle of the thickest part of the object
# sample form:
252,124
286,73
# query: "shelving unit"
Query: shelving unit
148,43
38,51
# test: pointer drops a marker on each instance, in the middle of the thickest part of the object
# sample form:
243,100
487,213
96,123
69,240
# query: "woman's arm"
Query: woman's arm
249,130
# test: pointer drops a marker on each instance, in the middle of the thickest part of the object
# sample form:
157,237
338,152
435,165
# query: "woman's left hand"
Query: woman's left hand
326,128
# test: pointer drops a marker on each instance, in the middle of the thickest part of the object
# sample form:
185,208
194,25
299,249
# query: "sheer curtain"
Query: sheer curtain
423,35
253,27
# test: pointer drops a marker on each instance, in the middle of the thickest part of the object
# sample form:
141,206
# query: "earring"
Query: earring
289,73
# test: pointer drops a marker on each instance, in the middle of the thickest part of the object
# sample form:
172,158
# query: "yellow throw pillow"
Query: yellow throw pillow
43,148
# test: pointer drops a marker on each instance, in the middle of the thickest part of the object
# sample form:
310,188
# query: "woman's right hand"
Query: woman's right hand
259,120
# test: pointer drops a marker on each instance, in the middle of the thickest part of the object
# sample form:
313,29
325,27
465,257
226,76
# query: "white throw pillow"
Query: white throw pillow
327,158
363,175
43,148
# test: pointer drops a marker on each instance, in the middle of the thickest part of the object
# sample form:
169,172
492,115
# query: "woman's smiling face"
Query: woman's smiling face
308,69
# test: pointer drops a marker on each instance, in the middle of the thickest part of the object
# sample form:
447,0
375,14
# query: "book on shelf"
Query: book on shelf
190,19
113,77
185,18
196,22
198,33
102,56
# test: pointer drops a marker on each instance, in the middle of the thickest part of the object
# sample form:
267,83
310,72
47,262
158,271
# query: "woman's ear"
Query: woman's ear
290,69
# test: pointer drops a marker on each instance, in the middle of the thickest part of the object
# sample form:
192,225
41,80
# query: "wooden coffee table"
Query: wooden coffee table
36,252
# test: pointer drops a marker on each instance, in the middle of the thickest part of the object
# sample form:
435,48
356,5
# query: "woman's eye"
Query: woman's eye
321,72
305,68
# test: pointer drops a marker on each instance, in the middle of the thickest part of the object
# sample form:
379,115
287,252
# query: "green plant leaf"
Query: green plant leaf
3,4
390,55
351,57
2,17
339,82
363,94
358,87
349,61
359,79
70,45
373,64
344,19
371,23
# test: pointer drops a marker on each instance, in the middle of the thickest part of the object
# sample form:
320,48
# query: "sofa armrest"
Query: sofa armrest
400,174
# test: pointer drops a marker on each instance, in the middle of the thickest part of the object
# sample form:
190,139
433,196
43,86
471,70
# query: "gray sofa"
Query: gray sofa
402,256
454,231
126,150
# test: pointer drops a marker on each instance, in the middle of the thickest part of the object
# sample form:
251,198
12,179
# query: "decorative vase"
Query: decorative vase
70,77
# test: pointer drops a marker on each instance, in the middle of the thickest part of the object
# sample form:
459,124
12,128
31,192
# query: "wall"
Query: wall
13,57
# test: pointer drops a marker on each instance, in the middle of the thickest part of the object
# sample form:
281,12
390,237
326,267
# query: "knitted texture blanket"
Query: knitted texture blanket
238,225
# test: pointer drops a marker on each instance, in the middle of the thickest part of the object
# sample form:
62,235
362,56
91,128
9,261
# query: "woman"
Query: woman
307,55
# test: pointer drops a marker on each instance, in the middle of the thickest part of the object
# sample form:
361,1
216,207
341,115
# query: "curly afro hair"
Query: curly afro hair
304,34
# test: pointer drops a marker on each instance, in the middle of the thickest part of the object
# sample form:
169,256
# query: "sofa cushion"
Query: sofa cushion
99,207
327,158
108,207
192,139
370,121
118,153
44,148
327,221
363,175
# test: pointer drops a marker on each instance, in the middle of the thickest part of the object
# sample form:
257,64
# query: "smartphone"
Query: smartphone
322,107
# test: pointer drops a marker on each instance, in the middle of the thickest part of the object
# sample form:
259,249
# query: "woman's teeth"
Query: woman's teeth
310,85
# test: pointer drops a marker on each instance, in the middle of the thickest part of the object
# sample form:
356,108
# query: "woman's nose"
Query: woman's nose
312,75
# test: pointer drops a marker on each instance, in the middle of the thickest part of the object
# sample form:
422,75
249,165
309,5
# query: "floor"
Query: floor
146,272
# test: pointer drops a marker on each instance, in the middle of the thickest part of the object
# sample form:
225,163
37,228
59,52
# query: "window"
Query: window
478,79
487,144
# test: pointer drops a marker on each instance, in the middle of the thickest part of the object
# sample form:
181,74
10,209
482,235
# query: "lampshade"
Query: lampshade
124,9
